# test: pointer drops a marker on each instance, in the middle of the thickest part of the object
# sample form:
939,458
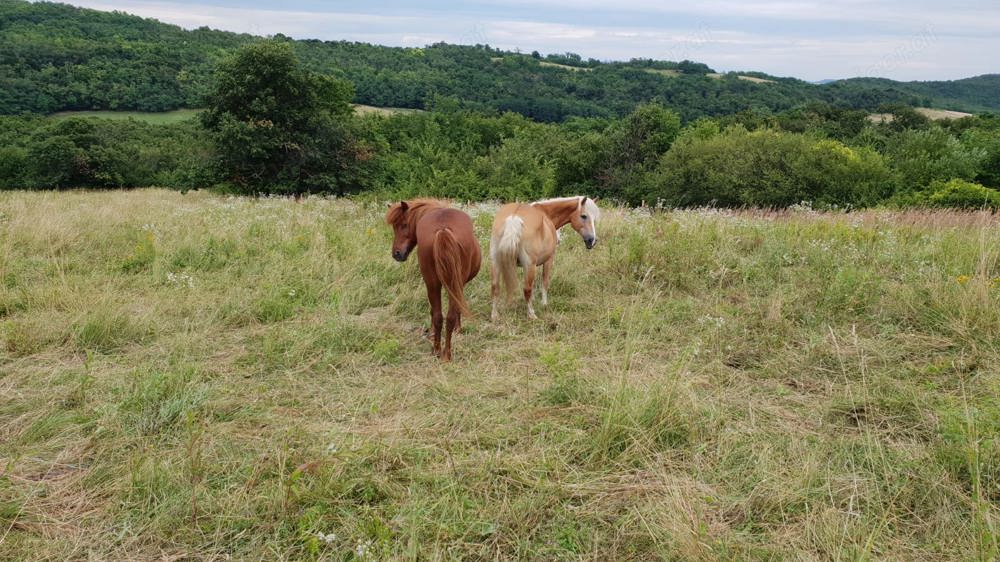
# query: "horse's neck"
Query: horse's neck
418,213
560,212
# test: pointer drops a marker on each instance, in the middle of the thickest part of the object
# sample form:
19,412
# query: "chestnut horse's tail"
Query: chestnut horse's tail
507,252
448,266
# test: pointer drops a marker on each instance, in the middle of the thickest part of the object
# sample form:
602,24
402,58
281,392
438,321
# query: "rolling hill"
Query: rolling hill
55,57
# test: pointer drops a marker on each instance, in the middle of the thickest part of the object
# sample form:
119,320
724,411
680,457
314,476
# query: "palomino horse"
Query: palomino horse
525,235
448,254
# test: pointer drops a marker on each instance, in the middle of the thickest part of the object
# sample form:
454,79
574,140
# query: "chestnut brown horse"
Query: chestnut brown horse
525,235
447,252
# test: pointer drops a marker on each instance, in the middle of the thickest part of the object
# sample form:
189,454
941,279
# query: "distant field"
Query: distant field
197,377
163,118
932,114
366,109
167,117
565,66
664,72
755,79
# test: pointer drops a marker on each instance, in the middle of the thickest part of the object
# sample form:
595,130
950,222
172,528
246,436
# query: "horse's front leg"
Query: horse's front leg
546,275
437,318
529,286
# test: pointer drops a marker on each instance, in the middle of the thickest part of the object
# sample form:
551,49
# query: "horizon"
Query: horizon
812,42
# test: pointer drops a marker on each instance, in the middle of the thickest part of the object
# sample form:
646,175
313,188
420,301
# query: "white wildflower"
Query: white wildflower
361,550
180,279
328,538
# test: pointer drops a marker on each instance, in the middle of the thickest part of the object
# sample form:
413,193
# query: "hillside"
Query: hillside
61,58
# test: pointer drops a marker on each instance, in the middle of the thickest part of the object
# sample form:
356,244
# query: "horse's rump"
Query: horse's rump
506,250
448,265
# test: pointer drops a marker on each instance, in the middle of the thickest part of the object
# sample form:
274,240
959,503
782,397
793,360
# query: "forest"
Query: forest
55,57
680,136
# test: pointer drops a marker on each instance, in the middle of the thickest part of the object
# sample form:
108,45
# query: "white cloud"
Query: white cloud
928,49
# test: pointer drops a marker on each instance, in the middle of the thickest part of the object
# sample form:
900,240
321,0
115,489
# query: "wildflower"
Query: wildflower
328,538
962,279
180,279
291,292
361,550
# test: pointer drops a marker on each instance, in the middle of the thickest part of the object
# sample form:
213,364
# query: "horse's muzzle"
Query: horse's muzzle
400,255
590,242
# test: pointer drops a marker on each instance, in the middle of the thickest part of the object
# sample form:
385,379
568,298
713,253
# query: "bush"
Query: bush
961,194
612,163
766,168
923,156
92,152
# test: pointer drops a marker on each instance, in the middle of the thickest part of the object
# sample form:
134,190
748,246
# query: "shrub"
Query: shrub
961,194
767,168
923,156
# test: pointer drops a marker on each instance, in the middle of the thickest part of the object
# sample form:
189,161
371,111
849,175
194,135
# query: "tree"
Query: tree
278,127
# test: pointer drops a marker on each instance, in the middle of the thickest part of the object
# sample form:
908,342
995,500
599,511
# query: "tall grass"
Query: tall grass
204,377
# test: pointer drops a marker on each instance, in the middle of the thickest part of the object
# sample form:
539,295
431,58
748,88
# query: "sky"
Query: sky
811,40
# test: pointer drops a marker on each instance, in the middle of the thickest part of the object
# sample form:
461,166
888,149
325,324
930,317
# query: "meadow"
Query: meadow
202,377
154,118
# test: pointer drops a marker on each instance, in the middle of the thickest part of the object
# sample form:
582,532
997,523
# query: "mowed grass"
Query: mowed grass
156,118
206,378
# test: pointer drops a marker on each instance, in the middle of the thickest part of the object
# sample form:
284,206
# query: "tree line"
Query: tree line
274,126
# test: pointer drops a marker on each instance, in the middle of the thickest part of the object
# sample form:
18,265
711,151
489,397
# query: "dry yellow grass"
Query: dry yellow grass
664,72
755,79
564,66
932,114
205,378
362,109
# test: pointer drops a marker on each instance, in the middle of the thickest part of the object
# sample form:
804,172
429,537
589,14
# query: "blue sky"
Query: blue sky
904,40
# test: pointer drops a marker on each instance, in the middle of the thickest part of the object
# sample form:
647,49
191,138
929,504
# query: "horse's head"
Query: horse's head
584,220
404,230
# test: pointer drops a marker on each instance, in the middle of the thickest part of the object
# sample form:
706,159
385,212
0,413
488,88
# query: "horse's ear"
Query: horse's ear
583,201
403,206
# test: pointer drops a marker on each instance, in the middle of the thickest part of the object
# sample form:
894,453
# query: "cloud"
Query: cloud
810,40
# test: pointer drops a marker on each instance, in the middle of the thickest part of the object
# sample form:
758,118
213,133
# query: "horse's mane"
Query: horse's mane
590,206
414,209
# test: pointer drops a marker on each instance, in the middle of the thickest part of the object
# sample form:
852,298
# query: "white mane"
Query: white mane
591,207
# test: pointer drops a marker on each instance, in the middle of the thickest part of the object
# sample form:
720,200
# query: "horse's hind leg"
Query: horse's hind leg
454,321
494,287
529,286
546,275
434,296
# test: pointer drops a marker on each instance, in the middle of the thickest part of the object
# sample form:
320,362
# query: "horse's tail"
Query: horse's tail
448,266
507,251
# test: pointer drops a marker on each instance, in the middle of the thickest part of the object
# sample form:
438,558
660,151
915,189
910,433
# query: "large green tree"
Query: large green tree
280,128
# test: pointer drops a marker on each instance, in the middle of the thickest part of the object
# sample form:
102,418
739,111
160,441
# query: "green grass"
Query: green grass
200,377
156,118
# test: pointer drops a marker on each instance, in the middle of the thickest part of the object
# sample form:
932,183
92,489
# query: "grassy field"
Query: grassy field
197,377
932,114
168,117
161,118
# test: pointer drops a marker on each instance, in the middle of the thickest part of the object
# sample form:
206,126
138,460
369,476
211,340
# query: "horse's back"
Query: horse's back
537,233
